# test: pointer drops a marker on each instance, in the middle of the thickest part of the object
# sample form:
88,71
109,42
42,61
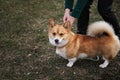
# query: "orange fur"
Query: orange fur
105,45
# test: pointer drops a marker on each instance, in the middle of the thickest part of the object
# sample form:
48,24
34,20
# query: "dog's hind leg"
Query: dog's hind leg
71,62
105,64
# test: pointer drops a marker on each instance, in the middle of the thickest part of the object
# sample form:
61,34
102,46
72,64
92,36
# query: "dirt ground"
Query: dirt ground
25,52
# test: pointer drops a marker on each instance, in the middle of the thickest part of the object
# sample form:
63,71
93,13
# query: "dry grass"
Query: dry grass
25,52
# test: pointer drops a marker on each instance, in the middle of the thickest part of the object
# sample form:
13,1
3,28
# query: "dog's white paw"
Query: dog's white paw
105,64
102,66
69,64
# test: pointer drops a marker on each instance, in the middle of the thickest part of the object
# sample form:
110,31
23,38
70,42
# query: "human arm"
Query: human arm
75,12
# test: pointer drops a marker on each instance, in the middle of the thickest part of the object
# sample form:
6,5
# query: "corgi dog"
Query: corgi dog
100,40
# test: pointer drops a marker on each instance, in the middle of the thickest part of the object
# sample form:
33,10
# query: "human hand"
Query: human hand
68,17
71,19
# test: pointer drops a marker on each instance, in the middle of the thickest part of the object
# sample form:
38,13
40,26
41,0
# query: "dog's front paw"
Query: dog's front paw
69,64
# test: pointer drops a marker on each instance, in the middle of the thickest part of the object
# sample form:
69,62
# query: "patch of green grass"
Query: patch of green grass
25,51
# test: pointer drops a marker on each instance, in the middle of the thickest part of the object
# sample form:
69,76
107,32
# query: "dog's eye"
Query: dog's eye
54,34
61,34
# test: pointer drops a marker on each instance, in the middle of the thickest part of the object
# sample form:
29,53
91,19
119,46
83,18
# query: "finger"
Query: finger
64,20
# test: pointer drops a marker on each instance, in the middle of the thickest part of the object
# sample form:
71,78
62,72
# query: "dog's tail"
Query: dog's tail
103,29
100,29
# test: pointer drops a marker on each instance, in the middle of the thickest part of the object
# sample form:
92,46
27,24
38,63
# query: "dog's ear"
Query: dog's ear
66,25
52,22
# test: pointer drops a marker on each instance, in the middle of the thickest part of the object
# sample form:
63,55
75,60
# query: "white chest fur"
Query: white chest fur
61,52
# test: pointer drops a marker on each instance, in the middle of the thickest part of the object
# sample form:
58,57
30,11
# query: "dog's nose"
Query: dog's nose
56,40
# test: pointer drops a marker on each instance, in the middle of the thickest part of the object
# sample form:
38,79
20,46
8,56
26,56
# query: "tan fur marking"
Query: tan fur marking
106,44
